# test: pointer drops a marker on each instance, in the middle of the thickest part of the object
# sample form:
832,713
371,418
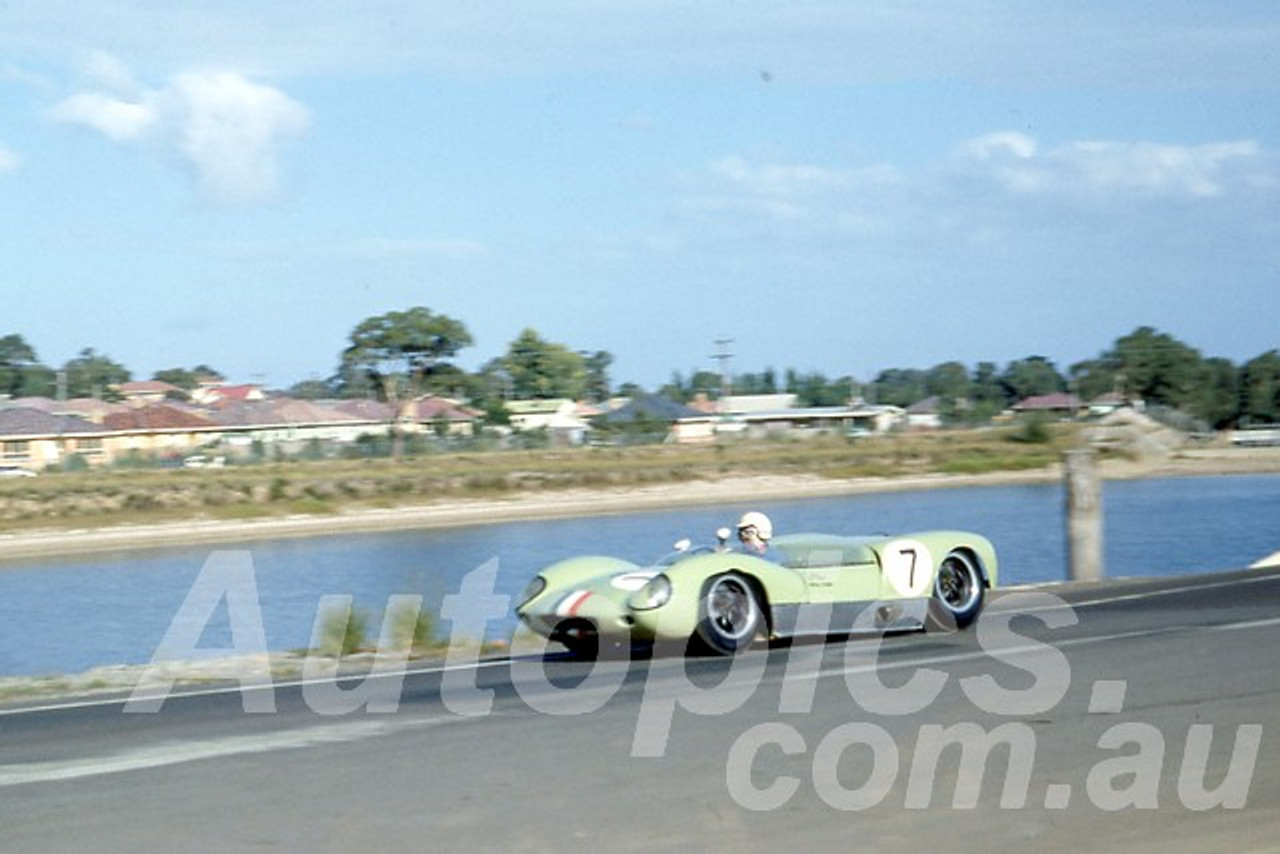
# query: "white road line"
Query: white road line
1131,597
1250,624
877,666
179,693
177,753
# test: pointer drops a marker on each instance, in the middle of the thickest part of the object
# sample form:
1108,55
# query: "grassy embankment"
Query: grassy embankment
239,492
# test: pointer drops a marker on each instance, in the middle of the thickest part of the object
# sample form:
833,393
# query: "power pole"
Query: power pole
723,357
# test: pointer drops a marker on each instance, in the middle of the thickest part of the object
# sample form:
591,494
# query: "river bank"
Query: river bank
540,504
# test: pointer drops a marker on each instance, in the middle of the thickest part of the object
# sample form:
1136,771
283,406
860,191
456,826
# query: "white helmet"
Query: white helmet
759,521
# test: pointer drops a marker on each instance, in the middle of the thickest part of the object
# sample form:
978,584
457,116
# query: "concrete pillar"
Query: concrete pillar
1084,515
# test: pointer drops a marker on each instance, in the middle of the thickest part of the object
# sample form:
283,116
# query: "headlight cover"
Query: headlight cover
655,594
532,591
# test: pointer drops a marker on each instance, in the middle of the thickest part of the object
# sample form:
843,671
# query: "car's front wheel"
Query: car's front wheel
958,592
730,616
579,637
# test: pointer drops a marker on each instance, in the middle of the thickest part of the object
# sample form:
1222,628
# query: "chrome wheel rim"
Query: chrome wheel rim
730,608
957,584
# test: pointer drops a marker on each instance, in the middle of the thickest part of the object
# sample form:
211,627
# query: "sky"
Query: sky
834,186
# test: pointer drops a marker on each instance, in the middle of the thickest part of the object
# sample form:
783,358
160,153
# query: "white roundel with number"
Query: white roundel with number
908,566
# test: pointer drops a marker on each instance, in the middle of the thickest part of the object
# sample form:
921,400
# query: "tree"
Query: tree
188,379
1093,378
17,361
37,381
899,387
540,369
1031,377
352,382
92,374
597,380
1159,369
949,381
400,352
1155,367
765,382
311,389
1217,397
1260,389
987,392
814,389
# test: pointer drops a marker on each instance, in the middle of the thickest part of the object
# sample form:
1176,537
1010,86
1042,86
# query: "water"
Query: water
69,615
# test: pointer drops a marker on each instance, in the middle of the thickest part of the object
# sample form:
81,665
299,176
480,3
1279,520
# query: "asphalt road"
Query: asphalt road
1129,716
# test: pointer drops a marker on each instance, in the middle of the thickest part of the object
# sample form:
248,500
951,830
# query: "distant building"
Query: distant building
366,410
1108,403
1060,404
288,424
88,408
558,416
925,414
161,429
429,412
682,423
214,395
761,415
34,440
143,392
750,404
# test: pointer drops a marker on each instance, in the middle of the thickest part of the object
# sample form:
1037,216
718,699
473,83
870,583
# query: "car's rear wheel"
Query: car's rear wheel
730,616
958,593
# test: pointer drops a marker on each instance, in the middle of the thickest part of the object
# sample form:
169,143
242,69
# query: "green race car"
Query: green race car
723,599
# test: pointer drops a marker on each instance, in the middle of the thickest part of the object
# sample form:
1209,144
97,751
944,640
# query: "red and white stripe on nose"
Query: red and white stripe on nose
571,604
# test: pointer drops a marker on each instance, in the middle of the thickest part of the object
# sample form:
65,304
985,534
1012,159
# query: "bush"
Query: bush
1034,431
279,489
343,630
412,627
75,462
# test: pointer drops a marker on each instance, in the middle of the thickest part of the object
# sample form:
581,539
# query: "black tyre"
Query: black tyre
580,638
958,593
730,615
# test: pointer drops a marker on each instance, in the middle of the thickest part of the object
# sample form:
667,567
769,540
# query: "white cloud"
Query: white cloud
224,128
993,189
1173,170
1114,169
119,121
9,160
787,192
992,146
228,129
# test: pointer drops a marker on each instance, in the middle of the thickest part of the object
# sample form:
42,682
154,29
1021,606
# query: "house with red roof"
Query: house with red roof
214,395
161,429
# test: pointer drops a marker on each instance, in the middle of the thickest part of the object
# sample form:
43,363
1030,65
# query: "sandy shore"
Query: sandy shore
26,545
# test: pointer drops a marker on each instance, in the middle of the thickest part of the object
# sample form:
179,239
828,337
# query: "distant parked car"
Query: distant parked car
200,461
16,471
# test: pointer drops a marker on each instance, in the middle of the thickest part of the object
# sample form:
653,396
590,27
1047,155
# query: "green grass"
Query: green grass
321,487
343,631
